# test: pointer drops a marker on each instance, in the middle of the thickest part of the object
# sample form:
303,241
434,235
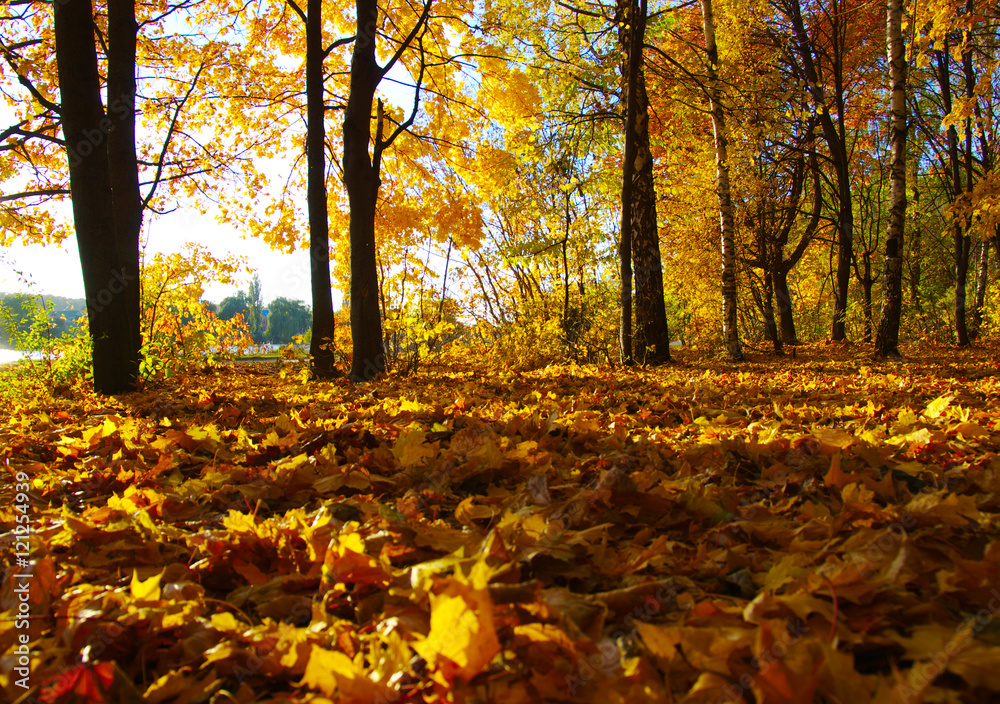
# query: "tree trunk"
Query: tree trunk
122,160
727,222
982,282
565,258
916,248
786,320
770,326
958,233
887,337
652,336
637,27
362,181
321,346
85,128
866,292
970,95
841,165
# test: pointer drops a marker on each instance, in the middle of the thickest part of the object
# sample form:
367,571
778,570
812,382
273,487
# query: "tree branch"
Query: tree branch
298,10
170,132
421,22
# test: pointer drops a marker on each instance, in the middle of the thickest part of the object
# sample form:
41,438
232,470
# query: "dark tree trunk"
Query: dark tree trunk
322,344
362,181
122,161
770,326
958,231
85,129
916,247
839,158
652,336
565,257
887,338
637,28
970,95
866,292
786,320
982,282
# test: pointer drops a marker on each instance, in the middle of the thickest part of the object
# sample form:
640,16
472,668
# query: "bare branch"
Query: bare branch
421,22
41,99
32,194
170,132
298,10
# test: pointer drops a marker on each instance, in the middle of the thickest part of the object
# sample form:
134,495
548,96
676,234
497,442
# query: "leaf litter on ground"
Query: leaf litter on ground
822,528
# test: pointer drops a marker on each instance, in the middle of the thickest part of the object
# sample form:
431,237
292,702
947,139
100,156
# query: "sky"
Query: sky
55,269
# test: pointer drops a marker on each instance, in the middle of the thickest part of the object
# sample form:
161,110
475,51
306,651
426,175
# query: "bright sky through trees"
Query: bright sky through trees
55,269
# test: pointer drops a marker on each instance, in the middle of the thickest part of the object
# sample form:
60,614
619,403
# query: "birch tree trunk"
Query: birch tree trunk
887,337
727,222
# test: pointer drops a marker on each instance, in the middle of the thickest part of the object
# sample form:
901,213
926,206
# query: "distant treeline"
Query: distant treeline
277,324
18,312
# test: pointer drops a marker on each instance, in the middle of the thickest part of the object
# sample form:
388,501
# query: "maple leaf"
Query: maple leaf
462,638
411,450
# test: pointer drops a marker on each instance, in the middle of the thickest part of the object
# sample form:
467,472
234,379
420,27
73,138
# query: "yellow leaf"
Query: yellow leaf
330,671
324,665
410,449
462,639
226,622
936,407
148,590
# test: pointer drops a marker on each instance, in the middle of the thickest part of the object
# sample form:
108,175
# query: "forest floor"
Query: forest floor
818,528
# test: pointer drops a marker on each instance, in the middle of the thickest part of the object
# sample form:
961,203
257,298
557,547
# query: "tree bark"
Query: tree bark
652,335
637,27
867,283
362,182
982,283
86,129
321,346
839,158
727,222
122,160
916,244
786,318
958,232
771,332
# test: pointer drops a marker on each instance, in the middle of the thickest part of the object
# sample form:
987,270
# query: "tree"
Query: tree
250,305
780,189
730,332
830,111
104,233
323,321
887,337
231,306
255,304
287,318
122,159
361,176
652,335
637,28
